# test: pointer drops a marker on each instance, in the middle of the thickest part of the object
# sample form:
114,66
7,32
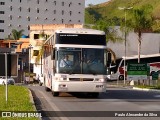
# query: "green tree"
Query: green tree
141,22
16,35
108,26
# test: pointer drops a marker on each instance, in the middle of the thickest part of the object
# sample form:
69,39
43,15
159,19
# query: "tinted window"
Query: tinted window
82,39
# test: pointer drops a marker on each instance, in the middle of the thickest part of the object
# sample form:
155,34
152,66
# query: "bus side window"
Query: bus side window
53,54
109,60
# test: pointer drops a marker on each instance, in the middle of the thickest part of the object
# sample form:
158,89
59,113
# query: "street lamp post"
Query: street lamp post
29,63
125,38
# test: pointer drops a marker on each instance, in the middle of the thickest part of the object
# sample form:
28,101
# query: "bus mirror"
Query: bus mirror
109,57
53,54
112,66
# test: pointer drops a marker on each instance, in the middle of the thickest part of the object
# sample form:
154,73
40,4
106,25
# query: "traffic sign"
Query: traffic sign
137,71
12,64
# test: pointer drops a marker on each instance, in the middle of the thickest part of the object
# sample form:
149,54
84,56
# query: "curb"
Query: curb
145,89
32,101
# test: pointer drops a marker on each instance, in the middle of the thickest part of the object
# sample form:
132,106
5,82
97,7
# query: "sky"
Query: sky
94,2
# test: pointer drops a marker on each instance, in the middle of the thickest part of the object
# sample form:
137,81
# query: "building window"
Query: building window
70,4
1,21
9,25
79,12
79,3
54,11
37,10
28,18
19,25
37,1
1,12
20,9
62,3
54,2
28,27
19,16
70,13
54,19
2,3
20,1
37,18
1,30
62,12
46,0
29,9
62,21
10,17
10,8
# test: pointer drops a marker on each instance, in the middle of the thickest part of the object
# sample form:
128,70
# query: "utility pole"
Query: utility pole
125,38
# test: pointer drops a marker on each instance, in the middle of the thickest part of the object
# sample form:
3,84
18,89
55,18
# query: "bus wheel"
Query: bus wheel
121,77
95,95
40,84
55,93
47,89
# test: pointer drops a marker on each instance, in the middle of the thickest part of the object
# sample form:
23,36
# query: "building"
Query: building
19,47
150,44
20,14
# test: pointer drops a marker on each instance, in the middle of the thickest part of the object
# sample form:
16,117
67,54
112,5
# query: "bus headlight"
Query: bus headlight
62,78
99,80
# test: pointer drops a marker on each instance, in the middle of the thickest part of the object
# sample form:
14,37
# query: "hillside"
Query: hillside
110,9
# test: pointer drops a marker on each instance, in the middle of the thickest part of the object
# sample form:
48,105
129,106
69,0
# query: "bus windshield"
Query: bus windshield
80,61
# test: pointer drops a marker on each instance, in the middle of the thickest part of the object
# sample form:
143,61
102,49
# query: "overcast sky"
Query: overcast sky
94,2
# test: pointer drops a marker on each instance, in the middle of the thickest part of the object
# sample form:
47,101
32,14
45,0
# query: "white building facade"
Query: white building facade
20,14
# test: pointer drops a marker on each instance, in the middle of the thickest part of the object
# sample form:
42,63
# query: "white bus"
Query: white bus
78,75
152,60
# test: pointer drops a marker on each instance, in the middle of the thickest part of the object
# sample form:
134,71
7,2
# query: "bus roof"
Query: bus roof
80,31
142,56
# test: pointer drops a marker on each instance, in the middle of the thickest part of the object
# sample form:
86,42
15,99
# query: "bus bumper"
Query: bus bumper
79,87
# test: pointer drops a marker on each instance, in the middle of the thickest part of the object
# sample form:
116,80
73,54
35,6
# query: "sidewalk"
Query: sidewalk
131,87
146,89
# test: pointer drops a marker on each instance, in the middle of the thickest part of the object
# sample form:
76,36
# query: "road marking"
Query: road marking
54,107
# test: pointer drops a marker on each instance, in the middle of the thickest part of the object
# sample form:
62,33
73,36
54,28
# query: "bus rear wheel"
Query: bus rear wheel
121,77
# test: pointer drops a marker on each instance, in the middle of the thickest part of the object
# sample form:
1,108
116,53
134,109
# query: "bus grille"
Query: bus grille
80,79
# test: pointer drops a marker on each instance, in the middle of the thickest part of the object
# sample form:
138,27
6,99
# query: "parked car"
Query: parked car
10,81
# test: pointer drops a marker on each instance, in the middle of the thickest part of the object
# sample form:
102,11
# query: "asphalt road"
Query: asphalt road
114,104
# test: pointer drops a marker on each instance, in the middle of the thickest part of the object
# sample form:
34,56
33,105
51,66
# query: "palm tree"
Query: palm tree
17,34
39,56
141,22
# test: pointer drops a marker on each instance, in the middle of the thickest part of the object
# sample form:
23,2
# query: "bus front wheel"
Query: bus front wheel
121,77
47,89
55,93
